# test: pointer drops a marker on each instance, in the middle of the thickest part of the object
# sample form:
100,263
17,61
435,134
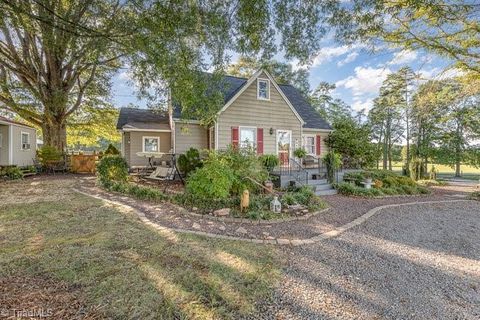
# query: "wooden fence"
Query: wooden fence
83,163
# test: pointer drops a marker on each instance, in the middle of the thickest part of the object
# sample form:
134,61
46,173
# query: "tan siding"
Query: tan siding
23,157
323,144
247,110
190,136
126,146
134,142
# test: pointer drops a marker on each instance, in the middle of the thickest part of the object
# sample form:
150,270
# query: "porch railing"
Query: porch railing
293,169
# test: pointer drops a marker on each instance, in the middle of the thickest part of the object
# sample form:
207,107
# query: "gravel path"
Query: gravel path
407,262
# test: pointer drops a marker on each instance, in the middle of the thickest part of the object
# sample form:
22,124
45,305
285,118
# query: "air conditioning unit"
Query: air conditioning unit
25,146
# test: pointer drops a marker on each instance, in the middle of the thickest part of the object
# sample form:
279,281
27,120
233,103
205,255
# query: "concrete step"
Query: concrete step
316,182
328,192
325,186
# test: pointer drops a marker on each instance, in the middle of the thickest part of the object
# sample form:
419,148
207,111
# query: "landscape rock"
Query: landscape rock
222,228
241,230
222,212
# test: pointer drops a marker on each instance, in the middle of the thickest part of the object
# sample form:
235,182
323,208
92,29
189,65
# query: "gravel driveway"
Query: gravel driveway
409,262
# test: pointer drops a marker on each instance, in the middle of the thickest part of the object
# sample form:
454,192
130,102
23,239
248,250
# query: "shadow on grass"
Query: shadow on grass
131,270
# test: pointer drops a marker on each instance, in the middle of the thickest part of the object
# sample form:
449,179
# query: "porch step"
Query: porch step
316,182
327,192
323,186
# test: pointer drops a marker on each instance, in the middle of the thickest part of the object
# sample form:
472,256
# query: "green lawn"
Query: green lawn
468,172
124,268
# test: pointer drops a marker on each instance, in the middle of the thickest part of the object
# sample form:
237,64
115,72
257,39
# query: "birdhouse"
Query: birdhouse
275,205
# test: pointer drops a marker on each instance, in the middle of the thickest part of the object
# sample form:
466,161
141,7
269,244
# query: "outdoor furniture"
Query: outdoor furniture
53,166
310,161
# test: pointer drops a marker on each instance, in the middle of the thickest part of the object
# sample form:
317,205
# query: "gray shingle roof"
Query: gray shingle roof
142,119
311,118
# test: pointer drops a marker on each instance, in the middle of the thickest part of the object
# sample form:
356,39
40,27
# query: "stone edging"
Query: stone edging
249,221
278,241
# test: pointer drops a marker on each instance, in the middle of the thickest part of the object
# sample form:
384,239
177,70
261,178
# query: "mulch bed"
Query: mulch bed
41,298
166,186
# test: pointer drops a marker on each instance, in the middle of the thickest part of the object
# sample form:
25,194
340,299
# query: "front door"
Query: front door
284,144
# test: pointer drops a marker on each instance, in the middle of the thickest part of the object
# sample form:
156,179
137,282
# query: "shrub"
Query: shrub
269,161
245,165
112,168
49,153
333,161
213,181
304,196
475,195
189,161
111,150
377,184
11,172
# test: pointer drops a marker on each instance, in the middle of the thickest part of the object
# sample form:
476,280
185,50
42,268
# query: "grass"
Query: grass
128,269
468,172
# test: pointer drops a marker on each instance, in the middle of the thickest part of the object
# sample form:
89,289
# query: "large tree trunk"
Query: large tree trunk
55,134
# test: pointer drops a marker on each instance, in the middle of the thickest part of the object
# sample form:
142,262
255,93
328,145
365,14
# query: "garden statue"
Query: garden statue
245,200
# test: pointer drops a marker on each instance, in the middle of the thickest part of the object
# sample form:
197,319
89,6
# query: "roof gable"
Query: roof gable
13,122
233,87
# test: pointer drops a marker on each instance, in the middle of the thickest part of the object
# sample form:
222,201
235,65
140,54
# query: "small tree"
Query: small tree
333,161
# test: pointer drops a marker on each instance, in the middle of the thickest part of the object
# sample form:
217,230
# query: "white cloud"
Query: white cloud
350,58
360,104
366,80
440,74
403,57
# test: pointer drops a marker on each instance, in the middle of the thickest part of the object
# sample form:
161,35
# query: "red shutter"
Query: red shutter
259,140
319,141
235,137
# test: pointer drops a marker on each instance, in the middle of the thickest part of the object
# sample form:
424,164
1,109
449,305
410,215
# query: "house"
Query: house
17,143
273,118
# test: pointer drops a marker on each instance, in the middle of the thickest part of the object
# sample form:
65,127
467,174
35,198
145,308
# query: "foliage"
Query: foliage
48,153
332,161
352,140
11,172
430,183
245,165
282,72
332,110
475,195
112,150
300,153
93,127
303,196
269,161
137,191
112,168
189,161
214,180
447,28
350,189
64,66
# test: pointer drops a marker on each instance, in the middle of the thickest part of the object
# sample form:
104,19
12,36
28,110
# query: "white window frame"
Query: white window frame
258,89
1,140
21,141
150,137
254,136
304,143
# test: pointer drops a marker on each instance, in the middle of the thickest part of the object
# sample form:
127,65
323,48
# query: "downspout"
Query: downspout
170,120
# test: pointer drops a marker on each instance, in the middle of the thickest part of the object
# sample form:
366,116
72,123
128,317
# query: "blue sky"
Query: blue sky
356,72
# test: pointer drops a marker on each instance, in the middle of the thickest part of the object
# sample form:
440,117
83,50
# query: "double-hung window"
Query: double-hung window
151,144
248,137
25,141
309,144
263,89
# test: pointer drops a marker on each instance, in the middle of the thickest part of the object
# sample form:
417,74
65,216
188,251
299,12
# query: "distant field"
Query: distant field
446,171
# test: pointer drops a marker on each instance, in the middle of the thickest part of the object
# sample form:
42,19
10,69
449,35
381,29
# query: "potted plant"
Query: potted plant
300,153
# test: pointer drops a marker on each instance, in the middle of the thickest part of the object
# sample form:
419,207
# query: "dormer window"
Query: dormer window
263,89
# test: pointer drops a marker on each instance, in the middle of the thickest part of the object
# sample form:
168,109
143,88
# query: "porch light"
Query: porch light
271,131
275,205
